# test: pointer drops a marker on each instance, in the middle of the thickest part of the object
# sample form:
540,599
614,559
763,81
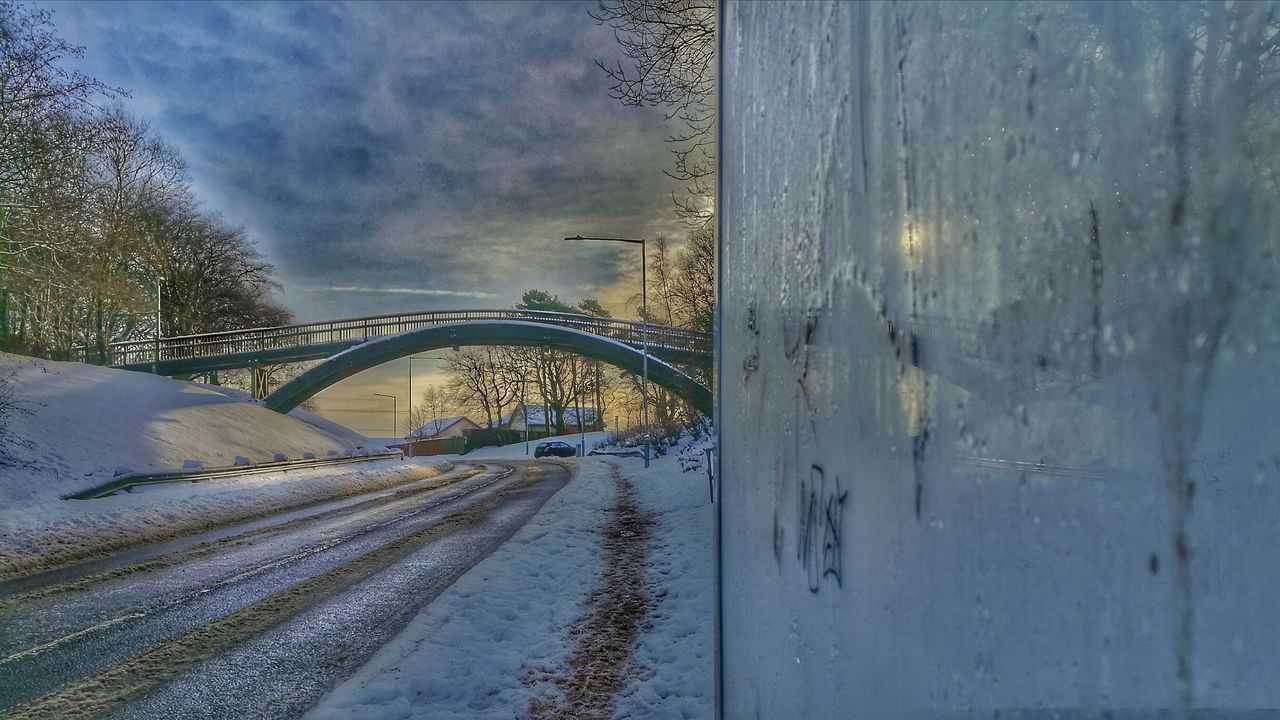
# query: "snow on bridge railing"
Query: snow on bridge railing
334,331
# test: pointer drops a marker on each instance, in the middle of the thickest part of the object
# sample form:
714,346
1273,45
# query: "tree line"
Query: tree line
98,222
494,381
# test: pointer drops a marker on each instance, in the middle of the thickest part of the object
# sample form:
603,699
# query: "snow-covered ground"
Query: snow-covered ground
483,649
675,650
77,426
479,649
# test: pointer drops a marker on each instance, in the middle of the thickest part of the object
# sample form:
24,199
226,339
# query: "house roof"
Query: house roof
537,416
435,427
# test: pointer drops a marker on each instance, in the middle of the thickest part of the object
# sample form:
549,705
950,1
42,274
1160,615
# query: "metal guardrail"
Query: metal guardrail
124,482
230,342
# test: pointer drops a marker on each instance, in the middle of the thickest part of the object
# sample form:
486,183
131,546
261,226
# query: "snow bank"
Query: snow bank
84,422
470,653
466,655
675,652
81,425
328,426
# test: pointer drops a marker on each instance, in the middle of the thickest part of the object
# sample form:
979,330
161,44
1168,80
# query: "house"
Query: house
445,427
538,421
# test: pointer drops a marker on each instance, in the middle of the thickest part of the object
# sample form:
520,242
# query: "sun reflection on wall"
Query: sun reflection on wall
915,238
911,399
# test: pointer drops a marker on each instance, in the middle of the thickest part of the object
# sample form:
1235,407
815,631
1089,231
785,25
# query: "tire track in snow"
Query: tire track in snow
143,673
138,613
20,570
221,545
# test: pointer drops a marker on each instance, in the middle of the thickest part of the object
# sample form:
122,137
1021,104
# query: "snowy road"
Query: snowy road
259,620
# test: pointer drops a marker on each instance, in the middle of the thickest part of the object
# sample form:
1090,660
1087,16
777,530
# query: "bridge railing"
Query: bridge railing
356,329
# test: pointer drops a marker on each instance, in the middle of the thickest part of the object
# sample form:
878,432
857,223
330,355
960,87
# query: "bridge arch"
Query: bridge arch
498,332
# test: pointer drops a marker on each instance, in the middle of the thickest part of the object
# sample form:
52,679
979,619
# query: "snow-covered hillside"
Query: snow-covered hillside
79,425
76,426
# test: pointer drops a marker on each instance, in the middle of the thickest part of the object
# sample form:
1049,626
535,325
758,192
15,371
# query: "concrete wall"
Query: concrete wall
1003,280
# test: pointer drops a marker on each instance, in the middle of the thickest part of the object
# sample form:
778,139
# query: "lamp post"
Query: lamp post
644,301
524,410
577,401
394,402
159,284
411,359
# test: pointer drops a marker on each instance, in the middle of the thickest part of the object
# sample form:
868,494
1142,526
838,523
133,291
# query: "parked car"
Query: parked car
556,448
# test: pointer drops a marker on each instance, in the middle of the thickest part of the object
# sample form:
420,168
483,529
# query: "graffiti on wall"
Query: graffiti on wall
820,509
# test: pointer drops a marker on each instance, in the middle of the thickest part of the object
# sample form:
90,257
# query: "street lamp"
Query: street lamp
159,284
577,401
524,410
644,301
394,401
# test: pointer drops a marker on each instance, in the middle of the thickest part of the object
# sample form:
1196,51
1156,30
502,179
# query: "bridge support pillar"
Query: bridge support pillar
259,381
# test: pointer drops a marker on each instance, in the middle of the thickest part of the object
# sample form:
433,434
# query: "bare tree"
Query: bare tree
210,276
681,293
692,285
434,403
132,171
670,49
485,378
551,373
97,218
599,382
43,105
45,134
661,308
561,379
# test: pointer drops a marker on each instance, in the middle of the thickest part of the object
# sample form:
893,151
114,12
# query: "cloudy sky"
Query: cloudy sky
396,157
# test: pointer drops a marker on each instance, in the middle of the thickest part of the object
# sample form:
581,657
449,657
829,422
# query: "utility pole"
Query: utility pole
577,401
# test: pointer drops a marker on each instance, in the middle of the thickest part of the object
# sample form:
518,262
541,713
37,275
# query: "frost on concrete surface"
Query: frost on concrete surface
998,360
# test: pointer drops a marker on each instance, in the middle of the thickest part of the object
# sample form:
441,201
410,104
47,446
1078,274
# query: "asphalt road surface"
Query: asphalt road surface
258,620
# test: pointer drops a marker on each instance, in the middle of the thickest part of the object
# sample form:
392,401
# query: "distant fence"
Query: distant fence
473,439
435,446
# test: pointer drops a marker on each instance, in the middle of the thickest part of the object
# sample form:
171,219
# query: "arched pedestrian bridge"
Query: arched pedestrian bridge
356,344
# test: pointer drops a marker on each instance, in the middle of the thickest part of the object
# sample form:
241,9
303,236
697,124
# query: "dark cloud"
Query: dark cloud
441,147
